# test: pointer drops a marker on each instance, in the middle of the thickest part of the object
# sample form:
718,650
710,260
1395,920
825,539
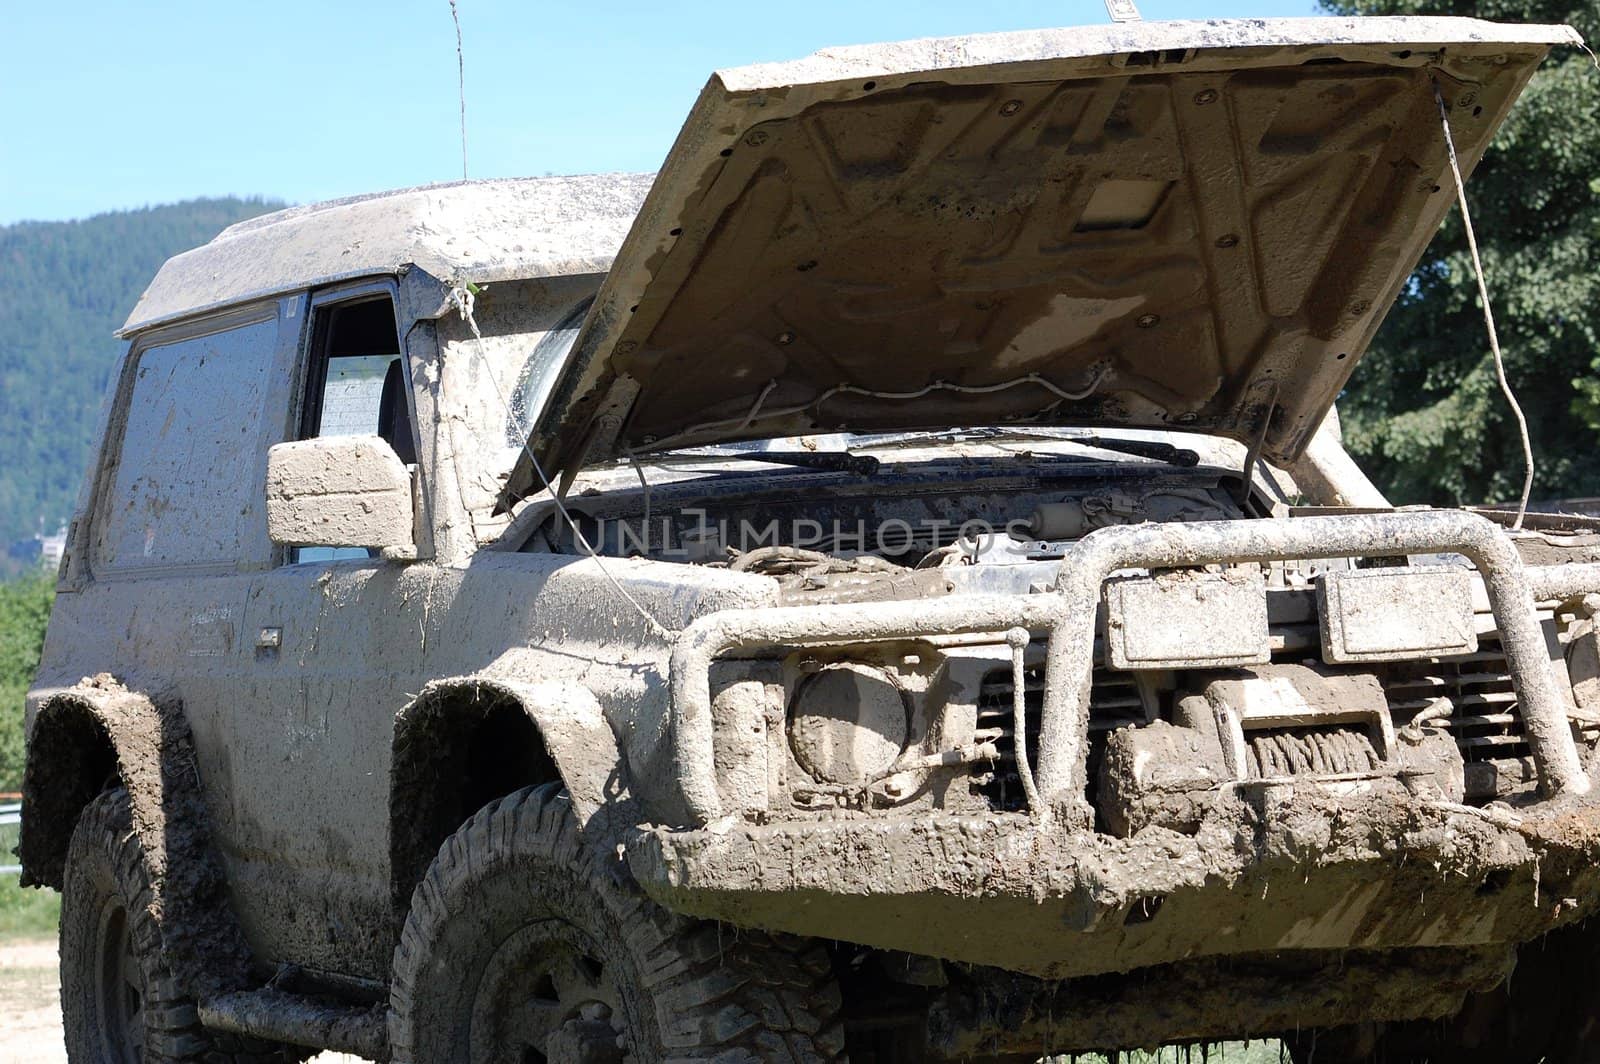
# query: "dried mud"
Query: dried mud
152,754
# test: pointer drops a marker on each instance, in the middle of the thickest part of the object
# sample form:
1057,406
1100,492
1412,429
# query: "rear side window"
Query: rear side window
184,490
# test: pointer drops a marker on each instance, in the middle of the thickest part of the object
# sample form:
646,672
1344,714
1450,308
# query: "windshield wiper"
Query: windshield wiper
1161,452
1156,451
827,461
866,465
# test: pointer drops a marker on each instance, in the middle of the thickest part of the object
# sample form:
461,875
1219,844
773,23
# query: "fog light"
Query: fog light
848,723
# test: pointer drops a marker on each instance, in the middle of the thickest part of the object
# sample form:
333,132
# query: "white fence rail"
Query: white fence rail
10,817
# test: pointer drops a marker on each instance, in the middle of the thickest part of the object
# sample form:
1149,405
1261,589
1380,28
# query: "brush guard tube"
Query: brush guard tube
1067,618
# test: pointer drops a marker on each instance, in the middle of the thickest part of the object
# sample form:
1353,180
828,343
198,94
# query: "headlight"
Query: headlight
848,723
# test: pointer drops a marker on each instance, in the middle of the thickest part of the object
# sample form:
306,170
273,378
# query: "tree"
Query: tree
24,608
64,287
1423,411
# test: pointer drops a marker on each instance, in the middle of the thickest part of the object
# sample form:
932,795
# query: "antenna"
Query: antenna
461,86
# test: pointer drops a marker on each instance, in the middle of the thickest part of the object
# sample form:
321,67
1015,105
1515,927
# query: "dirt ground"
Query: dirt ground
30,1013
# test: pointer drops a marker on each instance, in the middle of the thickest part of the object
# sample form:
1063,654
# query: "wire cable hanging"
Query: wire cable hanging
461,298
1488,310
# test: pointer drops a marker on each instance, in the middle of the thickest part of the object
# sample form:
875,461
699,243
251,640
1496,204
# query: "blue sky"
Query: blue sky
114,105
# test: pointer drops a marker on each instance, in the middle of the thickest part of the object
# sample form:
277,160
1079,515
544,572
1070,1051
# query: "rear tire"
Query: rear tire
119,1002
524,945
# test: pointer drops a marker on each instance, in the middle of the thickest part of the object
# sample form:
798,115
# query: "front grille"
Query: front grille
1484,717
1114,702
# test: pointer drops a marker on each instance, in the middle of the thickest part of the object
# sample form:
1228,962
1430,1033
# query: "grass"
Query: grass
27,913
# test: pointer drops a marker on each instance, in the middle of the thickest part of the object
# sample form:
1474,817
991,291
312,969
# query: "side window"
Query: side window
182,492
356,385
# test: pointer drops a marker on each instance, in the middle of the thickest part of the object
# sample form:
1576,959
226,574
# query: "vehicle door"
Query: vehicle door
336,637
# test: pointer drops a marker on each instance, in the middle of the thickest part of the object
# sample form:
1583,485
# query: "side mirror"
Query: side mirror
339,491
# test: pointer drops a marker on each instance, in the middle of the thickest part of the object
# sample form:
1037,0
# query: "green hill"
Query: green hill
64,288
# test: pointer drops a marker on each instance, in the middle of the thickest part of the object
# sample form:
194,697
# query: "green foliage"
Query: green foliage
1424,413
64,288
24,911
24,609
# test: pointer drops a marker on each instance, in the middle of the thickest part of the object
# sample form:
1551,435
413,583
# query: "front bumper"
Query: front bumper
1286,867
1067,618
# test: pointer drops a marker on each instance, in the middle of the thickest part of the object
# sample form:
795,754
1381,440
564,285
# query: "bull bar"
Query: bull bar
1067,617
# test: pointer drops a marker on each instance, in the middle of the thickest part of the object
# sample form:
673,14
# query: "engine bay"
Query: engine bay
951,522
934,527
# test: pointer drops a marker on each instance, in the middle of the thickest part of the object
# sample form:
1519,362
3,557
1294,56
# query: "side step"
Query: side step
278,1016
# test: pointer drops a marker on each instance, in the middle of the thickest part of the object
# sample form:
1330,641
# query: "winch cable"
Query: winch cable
1488,311
461,298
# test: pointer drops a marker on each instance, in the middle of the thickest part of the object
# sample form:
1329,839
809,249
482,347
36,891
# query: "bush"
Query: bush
24,609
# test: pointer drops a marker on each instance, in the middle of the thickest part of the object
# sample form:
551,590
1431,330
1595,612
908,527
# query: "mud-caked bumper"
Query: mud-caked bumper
1286,868
1067,618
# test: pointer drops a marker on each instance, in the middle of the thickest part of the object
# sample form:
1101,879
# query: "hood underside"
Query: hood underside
1165,225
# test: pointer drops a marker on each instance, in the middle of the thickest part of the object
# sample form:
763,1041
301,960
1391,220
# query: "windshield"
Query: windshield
493,388
538,374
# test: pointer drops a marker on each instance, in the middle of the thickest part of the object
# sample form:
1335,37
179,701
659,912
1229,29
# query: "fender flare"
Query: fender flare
153,757
569,722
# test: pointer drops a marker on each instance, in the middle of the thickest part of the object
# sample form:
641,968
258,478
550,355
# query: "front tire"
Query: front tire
524,945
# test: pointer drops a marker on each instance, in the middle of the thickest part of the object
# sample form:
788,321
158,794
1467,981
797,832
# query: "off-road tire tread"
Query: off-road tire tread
723,995
173,1032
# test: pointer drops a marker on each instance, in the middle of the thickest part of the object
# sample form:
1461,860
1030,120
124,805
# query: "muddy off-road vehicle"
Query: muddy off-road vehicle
887,587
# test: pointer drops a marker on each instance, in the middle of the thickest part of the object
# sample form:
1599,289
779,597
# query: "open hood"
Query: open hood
1163,225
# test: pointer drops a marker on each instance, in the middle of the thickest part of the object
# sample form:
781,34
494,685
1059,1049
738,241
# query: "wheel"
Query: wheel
523,945
1548,1012
119,1003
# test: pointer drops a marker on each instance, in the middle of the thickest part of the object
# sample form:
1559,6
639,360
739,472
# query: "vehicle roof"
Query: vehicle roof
478,230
